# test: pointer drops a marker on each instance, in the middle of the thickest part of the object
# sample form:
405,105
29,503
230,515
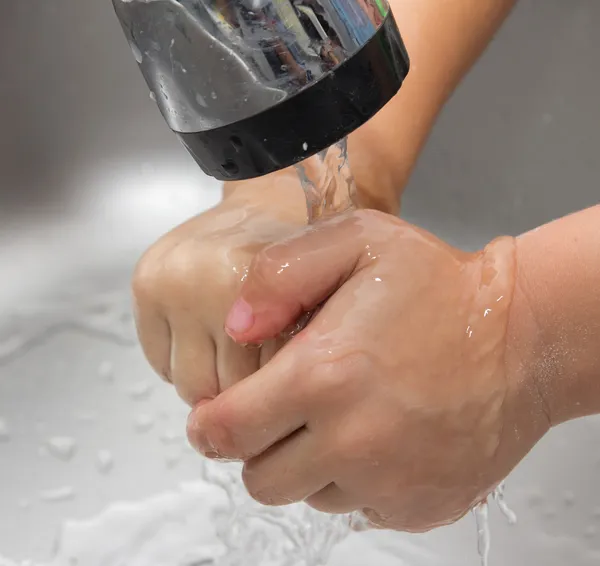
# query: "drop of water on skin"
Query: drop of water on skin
140,391
104,461
143,423
58,494
4,431
106,371
62,447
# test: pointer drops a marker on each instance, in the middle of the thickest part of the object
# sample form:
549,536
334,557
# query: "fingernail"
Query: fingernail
240,318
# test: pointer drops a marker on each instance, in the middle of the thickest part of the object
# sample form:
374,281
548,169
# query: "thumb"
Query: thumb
292,277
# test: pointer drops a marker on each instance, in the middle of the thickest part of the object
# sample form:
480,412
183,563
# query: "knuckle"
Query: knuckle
168,272
146,278
326,378
342,376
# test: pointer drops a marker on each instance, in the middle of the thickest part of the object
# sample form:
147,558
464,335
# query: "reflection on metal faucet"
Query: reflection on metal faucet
214,62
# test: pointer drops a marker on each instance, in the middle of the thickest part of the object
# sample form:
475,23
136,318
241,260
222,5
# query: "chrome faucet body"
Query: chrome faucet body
253,86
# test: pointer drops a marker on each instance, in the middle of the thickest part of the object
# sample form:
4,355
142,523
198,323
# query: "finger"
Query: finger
193,368
331,499
154,334
254,414
234,362
288,472
294,276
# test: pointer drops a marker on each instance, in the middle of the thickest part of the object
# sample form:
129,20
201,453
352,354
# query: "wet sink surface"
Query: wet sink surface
90,176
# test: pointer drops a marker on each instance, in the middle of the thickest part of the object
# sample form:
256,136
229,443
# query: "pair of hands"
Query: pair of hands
399,399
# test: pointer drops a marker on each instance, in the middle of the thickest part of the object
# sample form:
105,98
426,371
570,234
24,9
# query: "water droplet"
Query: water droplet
140,391
143,423
104,461
106,371
136,52
58,494
172,458
305,146
152,96
213,95
171,437
200,100
4,431
62,447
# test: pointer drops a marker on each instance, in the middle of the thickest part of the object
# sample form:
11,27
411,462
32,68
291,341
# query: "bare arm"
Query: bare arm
554,335
444,38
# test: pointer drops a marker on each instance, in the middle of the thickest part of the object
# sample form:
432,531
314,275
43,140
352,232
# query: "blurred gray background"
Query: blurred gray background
90,176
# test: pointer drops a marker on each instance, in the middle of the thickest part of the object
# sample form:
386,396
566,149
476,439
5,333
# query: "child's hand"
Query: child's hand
186,283
400,398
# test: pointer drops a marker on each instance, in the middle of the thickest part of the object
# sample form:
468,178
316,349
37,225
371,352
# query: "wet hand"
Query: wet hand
185,284
399,398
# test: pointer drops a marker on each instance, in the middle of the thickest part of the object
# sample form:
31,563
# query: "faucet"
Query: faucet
254,86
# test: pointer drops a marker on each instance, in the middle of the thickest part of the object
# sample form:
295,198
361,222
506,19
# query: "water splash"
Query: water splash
483,531
481,513
508,513
211,521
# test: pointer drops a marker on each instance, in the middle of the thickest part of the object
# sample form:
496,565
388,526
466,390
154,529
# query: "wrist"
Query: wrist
279,193
559,281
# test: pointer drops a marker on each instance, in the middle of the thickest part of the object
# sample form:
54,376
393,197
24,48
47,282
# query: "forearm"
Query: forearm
443,38
555,322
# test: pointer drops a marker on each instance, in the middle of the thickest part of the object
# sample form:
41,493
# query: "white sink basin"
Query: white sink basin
90,176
